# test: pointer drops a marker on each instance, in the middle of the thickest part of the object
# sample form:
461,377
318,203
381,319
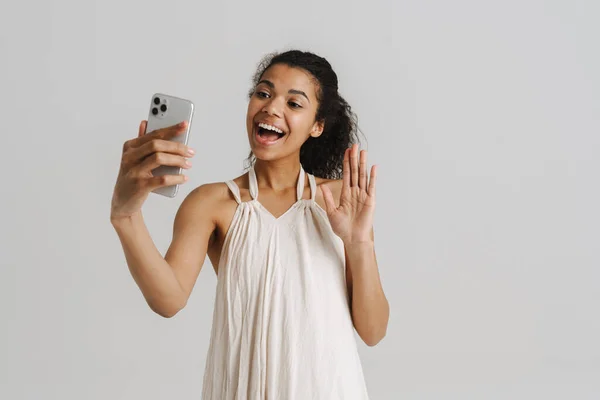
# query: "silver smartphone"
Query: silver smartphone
165,111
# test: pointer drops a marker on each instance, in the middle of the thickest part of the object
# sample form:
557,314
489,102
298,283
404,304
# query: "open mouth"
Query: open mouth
267,134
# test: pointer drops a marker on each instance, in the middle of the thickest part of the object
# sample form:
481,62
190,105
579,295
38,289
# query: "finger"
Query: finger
328,197
158,159
138,154
133,142
362,179
346,173
354,165
163,133
166,180
372,181
142,128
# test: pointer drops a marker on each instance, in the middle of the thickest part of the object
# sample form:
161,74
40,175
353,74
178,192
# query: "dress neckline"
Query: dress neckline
253,186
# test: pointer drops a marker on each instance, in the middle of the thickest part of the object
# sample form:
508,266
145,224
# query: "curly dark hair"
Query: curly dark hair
322,156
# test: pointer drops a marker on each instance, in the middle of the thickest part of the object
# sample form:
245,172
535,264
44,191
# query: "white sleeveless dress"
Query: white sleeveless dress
282,327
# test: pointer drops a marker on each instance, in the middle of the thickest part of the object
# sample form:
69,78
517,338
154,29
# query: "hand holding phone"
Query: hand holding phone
154,160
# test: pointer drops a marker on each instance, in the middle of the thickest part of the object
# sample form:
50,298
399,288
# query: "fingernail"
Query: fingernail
182,124
191,151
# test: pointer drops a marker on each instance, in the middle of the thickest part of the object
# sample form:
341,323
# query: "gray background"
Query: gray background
483,118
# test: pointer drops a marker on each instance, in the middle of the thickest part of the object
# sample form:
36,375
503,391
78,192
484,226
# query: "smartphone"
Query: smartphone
165,111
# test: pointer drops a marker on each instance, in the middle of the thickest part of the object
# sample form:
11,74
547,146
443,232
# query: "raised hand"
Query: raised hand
352,220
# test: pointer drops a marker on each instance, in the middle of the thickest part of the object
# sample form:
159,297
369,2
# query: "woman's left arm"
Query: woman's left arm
369,306
352,220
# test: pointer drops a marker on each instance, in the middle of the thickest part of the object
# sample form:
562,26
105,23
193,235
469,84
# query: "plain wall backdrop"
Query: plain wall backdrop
483,117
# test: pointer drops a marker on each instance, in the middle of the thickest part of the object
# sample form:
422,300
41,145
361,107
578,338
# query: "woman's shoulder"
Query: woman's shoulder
212,191
208,196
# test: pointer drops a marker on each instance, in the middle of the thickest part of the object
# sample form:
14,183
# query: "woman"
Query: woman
296,265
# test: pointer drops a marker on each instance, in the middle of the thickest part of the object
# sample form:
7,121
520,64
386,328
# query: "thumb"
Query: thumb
142,128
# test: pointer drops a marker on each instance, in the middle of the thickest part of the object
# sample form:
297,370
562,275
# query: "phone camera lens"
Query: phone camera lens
156,100
154,111
163,108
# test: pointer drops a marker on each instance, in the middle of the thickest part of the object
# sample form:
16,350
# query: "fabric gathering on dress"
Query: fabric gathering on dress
282,326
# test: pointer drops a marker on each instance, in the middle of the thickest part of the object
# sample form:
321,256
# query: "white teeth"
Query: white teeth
270,127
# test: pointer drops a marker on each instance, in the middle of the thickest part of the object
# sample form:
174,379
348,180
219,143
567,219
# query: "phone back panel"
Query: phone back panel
169,111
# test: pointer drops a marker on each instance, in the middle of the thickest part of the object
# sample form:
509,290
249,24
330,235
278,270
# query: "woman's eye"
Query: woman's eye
294,105
262,94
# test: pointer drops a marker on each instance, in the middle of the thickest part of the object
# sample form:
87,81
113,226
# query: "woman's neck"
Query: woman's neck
277,175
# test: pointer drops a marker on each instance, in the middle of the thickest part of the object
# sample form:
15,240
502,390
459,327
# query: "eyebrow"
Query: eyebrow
293,91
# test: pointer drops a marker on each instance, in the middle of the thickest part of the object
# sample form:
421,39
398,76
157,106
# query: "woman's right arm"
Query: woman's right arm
167,283
164,282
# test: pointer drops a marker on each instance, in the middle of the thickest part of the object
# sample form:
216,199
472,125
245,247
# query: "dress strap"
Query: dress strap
235,190
300,187
253,183
313,186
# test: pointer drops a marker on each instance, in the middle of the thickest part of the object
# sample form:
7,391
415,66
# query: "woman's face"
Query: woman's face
284,99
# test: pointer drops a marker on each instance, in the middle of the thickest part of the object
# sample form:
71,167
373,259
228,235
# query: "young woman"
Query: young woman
291,241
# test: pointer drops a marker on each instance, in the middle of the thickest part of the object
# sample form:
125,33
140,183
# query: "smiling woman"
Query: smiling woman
296,270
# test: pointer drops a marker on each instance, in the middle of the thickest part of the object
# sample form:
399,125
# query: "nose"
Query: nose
271,108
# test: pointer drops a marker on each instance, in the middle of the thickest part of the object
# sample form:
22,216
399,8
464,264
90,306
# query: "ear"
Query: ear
317,129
